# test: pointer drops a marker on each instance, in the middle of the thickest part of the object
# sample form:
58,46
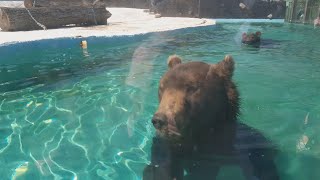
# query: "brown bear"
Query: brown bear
198,103
196,118
251,38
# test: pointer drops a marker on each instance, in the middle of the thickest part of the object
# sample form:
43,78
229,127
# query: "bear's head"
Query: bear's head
195,98
251,38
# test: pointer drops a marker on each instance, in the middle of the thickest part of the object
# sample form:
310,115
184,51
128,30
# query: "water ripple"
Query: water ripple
65,116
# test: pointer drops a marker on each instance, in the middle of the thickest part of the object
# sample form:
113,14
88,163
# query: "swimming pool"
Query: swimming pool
66,113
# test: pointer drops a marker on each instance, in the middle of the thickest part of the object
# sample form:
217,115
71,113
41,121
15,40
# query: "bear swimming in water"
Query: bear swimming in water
251,38
196,120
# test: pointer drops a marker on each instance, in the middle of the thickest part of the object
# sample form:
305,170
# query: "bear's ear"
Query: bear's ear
173,61
224,68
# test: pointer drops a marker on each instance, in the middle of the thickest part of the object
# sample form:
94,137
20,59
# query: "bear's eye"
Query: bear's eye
191,89
187,105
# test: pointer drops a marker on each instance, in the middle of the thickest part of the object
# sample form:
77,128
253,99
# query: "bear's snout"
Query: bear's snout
165,126
159,121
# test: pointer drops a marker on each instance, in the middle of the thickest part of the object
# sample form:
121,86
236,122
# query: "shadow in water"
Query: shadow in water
264,44
253,155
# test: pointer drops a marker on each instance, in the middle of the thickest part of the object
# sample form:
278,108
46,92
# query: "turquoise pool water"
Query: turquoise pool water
67,114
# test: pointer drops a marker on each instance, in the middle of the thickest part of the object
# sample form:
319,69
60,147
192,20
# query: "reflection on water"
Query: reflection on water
66,116
142,65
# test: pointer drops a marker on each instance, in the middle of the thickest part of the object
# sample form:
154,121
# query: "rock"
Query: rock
242,6
157,15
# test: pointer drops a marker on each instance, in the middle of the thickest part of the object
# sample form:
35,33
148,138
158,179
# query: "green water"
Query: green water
70,114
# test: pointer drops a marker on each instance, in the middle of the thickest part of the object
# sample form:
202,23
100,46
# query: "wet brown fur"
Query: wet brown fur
173,60
200,102
197,112
197,119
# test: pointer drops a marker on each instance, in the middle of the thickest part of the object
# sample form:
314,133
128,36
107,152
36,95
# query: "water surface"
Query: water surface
66,113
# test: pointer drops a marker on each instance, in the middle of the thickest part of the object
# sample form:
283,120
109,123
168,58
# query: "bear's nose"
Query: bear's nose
159,120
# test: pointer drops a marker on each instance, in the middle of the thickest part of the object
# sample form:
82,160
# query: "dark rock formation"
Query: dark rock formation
181,8
261,9
143,4
219,8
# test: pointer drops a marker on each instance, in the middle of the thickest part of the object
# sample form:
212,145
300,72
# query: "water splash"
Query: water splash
243,28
